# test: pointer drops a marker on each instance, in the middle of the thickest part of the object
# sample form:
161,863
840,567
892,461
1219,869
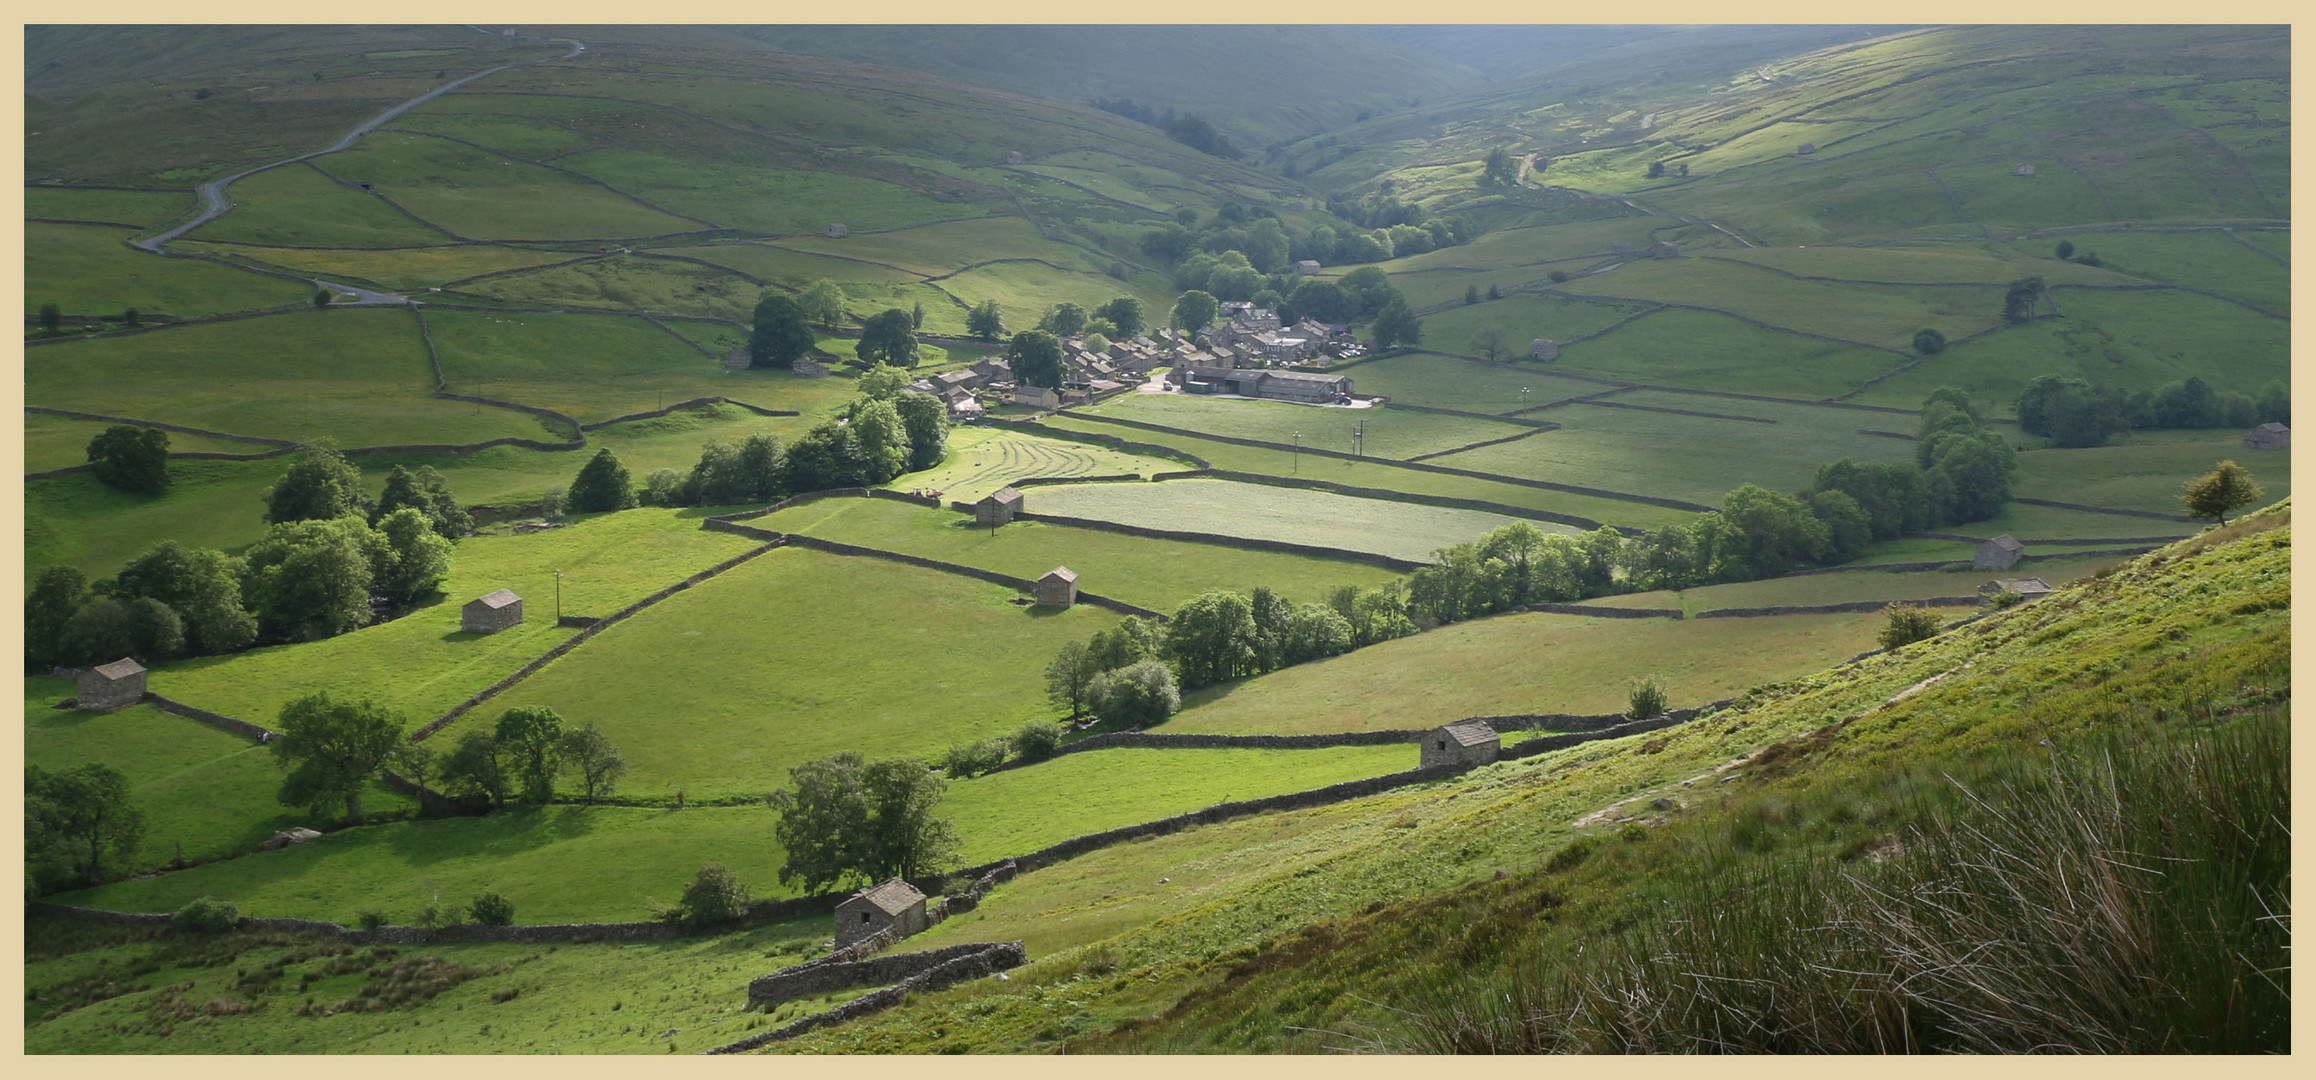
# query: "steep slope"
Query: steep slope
1429,900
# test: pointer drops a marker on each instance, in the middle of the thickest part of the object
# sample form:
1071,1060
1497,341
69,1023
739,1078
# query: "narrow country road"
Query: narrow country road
215,204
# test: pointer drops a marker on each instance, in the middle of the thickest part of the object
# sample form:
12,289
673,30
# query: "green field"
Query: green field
403,269
763,199
53,442
298,205
1025,289
2134,340
796,268
1881,315
202,791
1667,455
983,459
422,663
2055,565
2144,470
1570,664
625,283
2208,261
1381,473
1523,317
1401,530
100,204
1389,434
1157,574
519,135
1664,348
485,197
948,659
91,270
595,367
358,376
946,246
1444,382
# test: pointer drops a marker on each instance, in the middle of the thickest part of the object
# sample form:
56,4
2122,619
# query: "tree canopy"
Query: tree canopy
779,333
2226,488
332,748
322,484
602,485
82,819
131,458
888,337
1193,311
1036,358
985,321
844,820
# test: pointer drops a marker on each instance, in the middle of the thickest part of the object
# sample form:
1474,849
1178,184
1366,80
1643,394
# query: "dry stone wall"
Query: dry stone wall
1248,543
825,977
989,961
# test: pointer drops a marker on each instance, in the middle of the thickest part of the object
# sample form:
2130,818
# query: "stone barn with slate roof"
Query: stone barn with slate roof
2025,169
998,508
893,905
1807,148
1462,744
111,686
836,230
1058,588
2269,436
1543,349
2000,553
491,614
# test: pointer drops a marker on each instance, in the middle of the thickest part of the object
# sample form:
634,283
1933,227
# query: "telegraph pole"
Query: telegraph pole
558,598
1298,453
1359,437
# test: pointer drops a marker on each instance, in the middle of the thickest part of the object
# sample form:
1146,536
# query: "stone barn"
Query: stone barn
1664,249
1306,267
1807,148
1058,588
1013,157
998,508
1543,349
1461,745
111,686
894,904
491,614
2025,169
738,359
1037,397
2000,553
2027,587
2269,436
836,230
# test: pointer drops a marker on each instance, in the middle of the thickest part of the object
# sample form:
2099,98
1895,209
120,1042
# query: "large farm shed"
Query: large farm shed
1266,383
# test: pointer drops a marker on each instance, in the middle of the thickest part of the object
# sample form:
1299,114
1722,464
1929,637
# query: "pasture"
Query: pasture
625,283
2203,260
2135,340
422,663
482,196
1447,382
133,208
1688,457
1157,574
300,206
1382,473
1882,315
393,269
53,442
797,655
946,246
1401,530
595,367
202,791
91,270
1707,351
1525,663
1389,434
983,459
2144,470
2056,565
764,200
77,521
1523,317
795,268
357,376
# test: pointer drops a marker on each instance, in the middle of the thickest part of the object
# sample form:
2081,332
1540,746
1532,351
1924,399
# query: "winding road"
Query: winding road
215,203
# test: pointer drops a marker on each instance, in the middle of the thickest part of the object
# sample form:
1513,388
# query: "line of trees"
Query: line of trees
848,821
332,561
1132,675
1373,230
332,748
1961,473
2076,412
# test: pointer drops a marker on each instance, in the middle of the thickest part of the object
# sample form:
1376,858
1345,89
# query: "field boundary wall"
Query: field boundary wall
1827,609
1385,494
990,960
1388,562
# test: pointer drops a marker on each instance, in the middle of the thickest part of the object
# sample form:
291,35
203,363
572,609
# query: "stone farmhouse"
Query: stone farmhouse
1036,397
110,686
998,507
1462,744
1307,267
1300,386
490,614
894,905
2000,553
2269,436
1058,588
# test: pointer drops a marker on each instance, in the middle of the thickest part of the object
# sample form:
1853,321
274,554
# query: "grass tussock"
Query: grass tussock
2132,896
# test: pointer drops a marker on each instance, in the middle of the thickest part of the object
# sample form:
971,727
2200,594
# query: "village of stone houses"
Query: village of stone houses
1087,539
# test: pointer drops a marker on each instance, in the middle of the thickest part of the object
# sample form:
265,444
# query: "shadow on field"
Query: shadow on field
499,833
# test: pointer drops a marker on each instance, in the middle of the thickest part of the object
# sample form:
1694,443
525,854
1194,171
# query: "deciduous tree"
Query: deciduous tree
1194,311
322,484
1212,638
2214,494
601,486
599,765
333,747
202,586
131,458
780,333
1035,357
1139,695
532,738
888,337
1068,676
1125,313
1396,324
82,818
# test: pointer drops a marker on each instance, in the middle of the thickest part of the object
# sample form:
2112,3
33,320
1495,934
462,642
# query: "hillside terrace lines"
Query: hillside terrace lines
607,186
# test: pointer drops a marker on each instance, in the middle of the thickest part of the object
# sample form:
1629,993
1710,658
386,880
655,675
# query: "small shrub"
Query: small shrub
491,909
1908,623
1572,856
370,919
208,916
2008,598
1037,740
1929,342
1559,276
1634,833
715,895
431,917
967,760
1646,699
